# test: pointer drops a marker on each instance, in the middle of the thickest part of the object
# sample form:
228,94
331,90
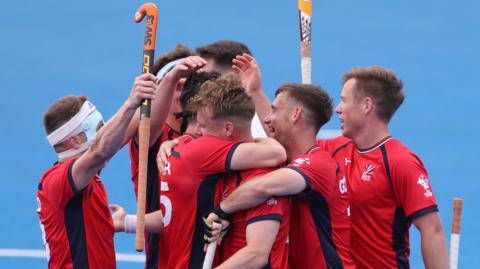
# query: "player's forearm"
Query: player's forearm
161,107
154,222
434,249
246,258
262,107
246,196
111,137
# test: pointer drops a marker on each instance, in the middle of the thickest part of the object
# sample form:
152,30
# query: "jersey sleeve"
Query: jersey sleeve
210,154
274,208
318,171
411,187
59,184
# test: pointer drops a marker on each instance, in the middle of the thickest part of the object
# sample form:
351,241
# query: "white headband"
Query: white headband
74,124
164,70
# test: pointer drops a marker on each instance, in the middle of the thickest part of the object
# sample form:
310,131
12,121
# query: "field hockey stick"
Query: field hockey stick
212,246
455,236
305,16
150,11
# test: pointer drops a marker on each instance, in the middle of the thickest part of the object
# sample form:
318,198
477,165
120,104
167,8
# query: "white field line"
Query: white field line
40,253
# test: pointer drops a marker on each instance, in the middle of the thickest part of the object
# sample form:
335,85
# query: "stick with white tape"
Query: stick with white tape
212,246
455,236
305,16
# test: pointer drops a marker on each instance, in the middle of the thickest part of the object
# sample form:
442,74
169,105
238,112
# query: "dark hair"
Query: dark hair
62,111
381,84
223,51
180,51
225,97
190,89
313,98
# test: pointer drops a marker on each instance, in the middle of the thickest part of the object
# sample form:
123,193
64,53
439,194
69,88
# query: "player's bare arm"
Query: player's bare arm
111,137
127,223
265,152
434,246
281,182
260,239
247,68
166,88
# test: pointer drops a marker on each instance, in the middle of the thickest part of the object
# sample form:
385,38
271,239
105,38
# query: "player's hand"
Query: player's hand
212,232
164,152
247,68
187,66
144,87
118,216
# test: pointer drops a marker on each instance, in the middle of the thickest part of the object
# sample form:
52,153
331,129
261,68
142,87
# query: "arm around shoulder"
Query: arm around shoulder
265,152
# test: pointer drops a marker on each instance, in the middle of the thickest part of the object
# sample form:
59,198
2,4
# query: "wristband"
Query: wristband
130,223
222,214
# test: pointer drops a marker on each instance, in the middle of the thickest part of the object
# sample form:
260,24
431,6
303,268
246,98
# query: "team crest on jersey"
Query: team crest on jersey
367,173
423,181
301,161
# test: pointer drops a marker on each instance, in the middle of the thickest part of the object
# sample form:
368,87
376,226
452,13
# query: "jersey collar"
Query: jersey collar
376,146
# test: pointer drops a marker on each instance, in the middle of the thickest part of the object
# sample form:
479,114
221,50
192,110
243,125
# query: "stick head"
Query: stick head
148,9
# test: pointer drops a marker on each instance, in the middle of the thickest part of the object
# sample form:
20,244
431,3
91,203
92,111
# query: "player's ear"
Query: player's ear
76,140
180,84
296,114
228,128
368,105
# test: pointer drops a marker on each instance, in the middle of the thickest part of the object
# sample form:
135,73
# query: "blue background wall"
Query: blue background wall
52,48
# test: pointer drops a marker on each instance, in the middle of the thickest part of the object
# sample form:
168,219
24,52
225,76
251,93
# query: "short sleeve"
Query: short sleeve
318,171
58,184
412,187
274,208
210,154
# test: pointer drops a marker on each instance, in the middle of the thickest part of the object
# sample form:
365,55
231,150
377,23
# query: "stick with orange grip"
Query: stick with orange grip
150,11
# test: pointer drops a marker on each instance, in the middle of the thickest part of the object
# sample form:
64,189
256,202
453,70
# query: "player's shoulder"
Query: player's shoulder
58,169
334,144
321,157
317,159
400,155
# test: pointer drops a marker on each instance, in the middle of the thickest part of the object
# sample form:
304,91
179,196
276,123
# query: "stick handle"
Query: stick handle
455,236
207,263
143,141
306,63
305,18
150,11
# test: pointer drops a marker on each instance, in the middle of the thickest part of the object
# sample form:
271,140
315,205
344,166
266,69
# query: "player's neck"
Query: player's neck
173,122
299,145
371,135
243,135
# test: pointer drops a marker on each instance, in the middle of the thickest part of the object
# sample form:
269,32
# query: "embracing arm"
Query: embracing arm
283,181
434,246
110,138
260,239
265,152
